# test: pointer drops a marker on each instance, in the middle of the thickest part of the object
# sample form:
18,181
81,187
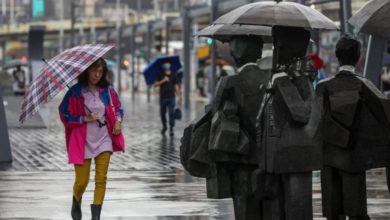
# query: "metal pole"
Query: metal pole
167,35
345,14
61,38
134,55
119,42
156,11
12,12
3,51
72,21
374,59
139,6
119,51
148,52
81,38
214,11
194,55
133,49
4,8
315,35
187,23
176,5
93,26
5,147
138,71
139,10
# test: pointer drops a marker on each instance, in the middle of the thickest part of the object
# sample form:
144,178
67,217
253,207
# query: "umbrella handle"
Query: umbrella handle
100,123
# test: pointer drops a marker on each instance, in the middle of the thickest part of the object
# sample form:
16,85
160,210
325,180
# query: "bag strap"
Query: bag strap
111,103
109,96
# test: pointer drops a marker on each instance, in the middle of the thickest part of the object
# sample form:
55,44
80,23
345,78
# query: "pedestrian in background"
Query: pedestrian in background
201,79
92,115
385,79
169,88
318,64
19,80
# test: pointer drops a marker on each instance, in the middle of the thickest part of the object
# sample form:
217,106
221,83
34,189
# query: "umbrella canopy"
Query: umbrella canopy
224,32
57,74
270,13
110,64
15,63
373,18
154,68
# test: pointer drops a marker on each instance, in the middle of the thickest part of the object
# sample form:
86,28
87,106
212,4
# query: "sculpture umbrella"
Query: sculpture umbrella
224,32
271,13
373,18
57,74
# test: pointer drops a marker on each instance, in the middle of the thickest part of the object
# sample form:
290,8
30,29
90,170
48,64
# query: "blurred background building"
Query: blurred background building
158,26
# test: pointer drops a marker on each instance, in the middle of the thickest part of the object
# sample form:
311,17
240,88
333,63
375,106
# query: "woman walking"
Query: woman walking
92,115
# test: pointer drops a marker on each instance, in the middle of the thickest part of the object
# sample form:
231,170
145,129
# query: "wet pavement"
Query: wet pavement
129,195
145,182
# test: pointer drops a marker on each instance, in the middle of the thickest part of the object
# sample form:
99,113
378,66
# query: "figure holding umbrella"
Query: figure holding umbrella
153,70
90,111
229,126
169,86
372,18
162,73
288,147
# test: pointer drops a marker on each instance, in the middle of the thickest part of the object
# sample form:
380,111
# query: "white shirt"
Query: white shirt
347,68
245,65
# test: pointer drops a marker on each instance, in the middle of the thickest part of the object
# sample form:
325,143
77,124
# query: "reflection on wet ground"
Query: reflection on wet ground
143,195
130,195
146,182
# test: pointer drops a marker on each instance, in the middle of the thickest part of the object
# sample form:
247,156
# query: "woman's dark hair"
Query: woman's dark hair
103,82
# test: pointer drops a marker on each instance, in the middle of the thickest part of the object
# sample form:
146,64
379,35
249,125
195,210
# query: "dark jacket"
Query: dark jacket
227,131
355,123
288,131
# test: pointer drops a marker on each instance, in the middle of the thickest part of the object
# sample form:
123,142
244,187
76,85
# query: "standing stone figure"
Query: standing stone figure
221,145
289,144
356,138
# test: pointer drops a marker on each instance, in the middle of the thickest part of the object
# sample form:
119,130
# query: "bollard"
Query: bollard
5,148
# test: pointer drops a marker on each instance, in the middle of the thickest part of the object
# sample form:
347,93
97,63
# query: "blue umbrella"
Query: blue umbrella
110,64
154,68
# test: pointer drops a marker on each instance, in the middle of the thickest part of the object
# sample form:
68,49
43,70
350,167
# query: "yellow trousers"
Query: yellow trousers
82,177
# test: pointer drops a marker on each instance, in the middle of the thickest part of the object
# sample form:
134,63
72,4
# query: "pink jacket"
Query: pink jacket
72,112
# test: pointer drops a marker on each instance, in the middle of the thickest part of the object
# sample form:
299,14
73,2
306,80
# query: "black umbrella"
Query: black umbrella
270,13
224,32
373,18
